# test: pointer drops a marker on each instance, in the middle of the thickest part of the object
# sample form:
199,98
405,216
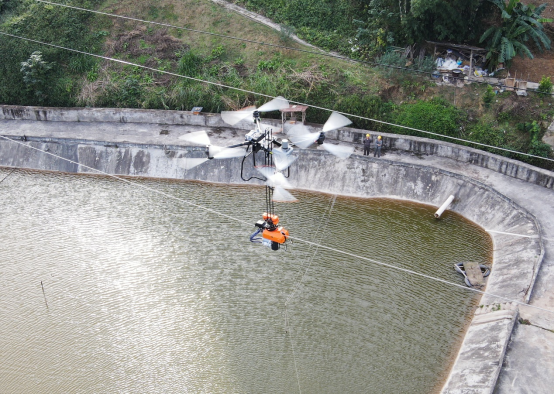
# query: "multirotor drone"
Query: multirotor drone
277,159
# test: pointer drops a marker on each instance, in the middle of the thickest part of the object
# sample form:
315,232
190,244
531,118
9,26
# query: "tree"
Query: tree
402,22
518,24
34,72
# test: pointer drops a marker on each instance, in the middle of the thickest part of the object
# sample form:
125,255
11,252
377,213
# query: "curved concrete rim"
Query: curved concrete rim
137,149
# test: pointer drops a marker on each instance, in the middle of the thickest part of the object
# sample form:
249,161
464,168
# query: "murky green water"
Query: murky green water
147,294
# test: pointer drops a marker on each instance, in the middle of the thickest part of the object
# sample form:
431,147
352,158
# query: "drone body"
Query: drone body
277,158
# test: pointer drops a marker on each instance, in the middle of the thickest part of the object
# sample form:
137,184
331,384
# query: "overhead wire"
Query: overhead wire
319,53
272,97
7,175
296,286
293,238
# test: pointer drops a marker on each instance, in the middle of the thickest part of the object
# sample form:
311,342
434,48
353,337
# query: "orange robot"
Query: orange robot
272,235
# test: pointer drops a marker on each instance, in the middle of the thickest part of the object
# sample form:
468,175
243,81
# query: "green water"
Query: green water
149,294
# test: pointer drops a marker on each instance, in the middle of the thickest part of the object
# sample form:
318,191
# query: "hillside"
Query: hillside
543,63
385,94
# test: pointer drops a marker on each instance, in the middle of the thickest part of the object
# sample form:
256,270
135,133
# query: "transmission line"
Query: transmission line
272,97
310,243
320,53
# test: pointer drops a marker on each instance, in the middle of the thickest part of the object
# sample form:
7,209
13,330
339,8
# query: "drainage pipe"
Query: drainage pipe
443,207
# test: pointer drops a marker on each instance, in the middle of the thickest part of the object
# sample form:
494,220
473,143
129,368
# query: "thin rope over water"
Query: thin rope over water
293,238
296,286
272,97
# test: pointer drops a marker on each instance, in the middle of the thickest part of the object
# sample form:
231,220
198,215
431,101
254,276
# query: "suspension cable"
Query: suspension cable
288,327
293,238
272,97
320,53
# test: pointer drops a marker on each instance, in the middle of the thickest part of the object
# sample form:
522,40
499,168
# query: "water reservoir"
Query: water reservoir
148,289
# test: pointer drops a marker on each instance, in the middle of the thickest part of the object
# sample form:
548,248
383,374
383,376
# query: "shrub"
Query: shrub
545,85
485,133
190,64
436,115
488,96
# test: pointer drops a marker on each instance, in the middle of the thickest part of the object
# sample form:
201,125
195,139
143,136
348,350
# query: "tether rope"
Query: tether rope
272,97
293,238
299,282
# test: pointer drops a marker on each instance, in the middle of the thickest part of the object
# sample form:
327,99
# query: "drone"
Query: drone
274,168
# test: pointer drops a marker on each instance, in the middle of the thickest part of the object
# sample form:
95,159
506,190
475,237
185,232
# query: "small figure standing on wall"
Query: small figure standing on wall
367,144
378,145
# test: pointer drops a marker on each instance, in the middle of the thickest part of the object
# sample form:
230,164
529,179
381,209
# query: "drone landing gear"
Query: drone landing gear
272,235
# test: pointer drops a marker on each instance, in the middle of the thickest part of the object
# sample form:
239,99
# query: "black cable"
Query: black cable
272,97
7,175
322,53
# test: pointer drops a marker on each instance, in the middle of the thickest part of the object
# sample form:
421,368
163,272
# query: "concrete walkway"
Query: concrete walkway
529,362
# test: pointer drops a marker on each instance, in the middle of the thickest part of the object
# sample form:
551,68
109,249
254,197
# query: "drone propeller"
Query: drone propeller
282,159
278,182
335,121
233,117
301,137
281,195
216,152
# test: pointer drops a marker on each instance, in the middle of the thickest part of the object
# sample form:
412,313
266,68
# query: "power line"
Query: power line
272,97
405,270
321,53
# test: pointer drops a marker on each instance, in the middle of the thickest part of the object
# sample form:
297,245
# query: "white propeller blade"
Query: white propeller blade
304,141
196,137
227,153
298,130
233,117
281,195
274,105
282,160
341,151
188,163
335,121
274,179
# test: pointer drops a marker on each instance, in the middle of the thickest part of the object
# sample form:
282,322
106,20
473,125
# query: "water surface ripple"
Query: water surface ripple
147,294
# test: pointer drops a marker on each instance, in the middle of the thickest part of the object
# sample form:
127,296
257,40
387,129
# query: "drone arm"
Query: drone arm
237,145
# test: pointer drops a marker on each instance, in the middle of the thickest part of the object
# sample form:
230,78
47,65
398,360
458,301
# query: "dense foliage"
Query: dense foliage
520,24
326,23
55,25
34,74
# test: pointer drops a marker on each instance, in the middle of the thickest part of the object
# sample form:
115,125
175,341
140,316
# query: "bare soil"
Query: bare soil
543,63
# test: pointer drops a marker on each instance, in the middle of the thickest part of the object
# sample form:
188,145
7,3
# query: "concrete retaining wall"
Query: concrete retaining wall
516,262
415,145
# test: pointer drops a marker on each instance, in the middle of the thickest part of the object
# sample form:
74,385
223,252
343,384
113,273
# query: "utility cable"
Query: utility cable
419,274
321,53
272,97
293,238
297,286
7,175
130,182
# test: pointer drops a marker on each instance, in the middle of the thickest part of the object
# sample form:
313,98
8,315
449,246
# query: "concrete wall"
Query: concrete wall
414,145
516,262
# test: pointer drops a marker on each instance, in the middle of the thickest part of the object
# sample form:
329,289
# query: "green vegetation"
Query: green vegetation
34,74
545,86
520,23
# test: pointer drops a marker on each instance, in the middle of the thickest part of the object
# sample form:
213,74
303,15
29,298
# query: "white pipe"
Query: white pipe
443,207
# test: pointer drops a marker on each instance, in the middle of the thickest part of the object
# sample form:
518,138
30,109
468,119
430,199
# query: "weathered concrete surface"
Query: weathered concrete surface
527,368
478,364
391,142
500,203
